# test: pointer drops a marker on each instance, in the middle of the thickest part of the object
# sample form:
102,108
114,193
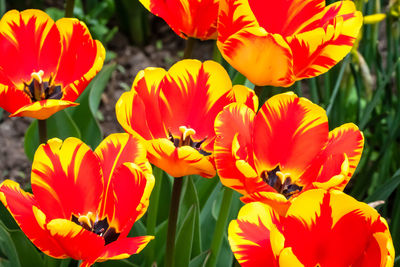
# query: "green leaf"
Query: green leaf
6,218
207,221
200,260
385,190
98,84
160,240
114,263
53,262
58,125
84,114
189,199
205,187
225,255
184,241
27,252
8,249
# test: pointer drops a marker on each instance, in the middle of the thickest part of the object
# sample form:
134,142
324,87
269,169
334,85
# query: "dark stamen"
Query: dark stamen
101,228
188,142
287,188
41,91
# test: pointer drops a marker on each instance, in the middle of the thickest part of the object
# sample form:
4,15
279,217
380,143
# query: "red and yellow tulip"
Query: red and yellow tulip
187,18
320,228
279,42
174,113
45,65
84,203
283,149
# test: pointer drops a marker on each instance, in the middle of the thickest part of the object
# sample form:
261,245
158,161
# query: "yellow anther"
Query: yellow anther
38,76
186,132
87,219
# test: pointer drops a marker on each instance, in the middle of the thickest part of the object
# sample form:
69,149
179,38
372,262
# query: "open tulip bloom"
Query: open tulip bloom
44,65
284,149
84,203
187,18
174,113
279,42
320,228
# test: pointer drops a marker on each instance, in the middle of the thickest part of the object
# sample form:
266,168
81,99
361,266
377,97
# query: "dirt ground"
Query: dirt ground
131,59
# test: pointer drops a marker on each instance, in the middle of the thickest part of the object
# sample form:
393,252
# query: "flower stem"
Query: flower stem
69,8
152,214
189,48
172,219
220,227
42,131
258,90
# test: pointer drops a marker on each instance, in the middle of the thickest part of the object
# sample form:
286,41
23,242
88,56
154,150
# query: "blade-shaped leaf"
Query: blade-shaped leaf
8,249
59,125
84,114
184,241
386,189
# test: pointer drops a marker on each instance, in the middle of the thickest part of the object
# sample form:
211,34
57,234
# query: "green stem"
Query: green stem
258,90
337,84
69,8
42,131
220,230
189,48
152,212
172,219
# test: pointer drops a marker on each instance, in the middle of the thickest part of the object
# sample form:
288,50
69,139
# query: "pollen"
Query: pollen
38,76
186,132
87,219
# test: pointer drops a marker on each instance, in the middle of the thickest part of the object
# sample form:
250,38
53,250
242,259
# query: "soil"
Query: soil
163,50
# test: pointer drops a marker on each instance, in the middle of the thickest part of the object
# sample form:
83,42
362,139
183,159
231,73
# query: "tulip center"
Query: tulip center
281,182
38,89
91,223
186,140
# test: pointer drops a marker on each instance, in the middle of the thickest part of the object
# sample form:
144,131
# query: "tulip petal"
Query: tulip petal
42,110
138,111
318,50
235,122
186,18
82,58
234,16
286,17
22,207
329,228
124,247
181,161
128,199
29,42
249,236
289,132
256,47
11,98
78,243
344,140
113,152
196,93
66,178
275,200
